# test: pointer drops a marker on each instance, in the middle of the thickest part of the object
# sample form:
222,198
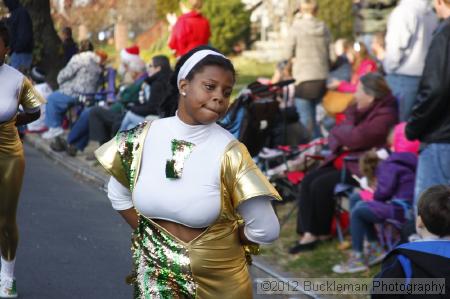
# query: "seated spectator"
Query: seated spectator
80,76
398,144
128,56
340,92
150,102
392,178
104,123
366,125
362,64
430,257
109,117
341,69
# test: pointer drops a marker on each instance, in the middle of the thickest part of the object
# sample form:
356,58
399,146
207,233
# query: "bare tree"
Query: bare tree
99,14
3,10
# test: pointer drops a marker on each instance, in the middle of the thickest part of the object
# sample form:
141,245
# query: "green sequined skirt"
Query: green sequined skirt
162,265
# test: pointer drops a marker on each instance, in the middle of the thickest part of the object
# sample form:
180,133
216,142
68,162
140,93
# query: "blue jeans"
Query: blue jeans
79,135
405,89
307,111
21,61
362,222
57,105
353,199
433,168
130,121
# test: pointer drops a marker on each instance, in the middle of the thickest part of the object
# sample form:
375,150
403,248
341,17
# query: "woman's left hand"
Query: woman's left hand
334,84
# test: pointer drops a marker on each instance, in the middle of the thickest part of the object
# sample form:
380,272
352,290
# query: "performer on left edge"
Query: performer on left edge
15,90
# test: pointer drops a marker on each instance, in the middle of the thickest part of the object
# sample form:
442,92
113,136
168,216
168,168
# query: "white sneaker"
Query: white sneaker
352,265
52,133
280,169
8,288
269,153
375,254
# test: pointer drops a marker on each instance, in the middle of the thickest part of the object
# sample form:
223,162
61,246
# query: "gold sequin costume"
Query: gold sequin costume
15,90
214,264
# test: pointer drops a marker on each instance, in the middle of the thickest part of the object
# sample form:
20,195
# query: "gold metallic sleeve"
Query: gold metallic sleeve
243,178
108,156
29,98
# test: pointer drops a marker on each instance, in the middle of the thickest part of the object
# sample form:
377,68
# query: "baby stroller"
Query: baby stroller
253,115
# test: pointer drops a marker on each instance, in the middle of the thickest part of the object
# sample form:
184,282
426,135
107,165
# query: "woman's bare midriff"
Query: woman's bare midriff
182,232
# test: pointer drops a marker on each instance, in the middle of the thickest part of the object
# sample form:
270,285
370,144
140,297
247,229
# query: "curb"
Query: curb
72,164
284,277
100,181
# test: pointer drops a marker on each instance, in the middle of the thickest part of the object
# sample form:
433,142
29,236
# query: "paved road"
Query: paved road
72,244
263,276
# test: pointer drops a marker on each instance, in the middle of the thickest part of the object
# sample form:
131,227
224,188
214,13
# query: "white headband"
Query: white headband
192,62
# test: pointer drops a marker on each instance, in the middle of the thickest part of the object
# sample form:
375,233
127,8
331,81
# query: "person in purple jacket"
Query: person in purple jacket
393,180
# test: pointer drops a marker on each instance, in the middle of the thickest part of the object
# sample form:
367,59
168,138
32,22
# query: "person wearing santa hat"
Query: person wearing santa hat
128,57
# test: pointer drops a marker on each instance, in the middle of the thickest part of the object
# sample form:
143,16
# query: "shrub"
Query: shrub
230,23
338,16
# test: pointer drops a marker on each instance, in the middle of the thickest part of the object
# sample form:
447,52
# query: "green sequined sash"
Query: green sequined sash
162,265
129,144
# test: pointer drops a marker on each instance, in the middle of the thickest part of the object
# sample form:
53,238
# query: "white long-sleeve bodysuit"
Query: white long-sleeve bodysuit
194,199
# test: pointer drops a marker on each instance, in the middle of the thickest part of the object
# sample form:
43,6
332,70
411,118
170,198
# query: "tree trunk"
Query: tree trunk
48,52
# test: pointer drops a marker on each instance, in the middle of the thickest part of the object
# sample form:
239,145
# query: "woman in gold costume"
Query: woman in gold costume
197,201
15,90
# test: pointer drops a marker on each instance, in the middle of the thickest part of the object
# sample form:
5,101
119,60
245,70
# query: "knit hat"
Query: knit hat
37,75
401,143
130,54
103,55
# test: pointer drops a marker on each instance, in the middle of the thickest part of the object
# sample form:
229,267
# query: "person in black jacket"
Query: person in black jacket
430,119
69,45
21,28
153,92
428,258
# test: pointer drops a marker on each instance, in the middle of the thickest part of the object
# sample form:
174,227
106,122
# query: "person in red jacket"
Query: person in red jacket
190,30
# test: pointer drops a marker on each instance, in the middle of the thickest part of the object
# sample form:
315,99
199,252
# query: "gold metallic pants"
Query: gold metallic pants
213,265
12,166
